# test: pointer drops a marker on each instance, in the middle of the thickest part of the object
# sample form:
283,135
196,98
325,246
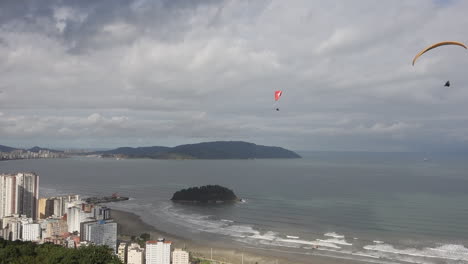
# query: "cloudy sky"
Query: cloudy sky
166,72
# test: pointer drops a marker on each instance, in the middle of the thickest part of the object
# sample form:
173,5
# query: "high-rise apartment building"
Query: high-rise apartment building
19,194
158,252
7,195
41,209
27,194
122,252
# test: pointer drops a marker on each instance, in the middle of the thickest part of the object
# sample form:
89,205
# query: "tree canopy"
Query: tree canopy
18,252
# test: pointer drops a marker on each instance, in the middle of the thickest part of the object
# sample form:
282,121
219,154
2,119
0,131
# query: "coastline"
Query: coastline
130,224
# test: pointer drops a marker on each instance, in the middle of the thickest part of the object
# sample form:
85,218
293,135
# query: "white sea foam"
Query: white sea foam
248,234
334,235
267,236
209,224
335,241
451,252
333,244
364,255
310,243
295,237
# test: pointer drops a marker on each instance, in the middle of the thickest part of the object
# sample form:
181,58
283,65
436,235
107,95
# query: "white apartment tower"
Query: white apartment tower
74,218
180,256
158,252
19,194
7,195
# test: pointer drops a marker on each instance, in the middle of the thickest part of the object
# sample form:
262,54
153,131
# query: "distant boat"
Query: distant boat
425,159
295,237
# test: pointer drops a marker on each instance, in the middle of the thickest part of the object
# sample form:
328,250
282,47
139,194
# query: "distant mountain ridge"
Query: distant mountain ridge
6,148
137,151
205,150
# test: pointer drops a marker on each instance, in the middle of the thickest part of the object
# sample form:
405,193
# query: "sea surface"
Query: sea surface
374,207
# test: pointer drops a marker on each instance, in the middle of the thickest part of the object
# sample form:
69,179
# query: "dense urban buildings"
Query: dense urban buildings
26,154
158,252
55,206
70,222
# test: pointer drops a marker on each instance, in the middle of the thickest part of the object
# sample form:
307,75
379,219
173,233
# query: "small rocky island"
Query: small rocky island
106,199
205,194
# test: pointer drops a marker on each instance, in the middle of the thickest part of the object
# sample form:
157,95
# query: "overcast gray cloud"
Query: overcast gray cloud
113,73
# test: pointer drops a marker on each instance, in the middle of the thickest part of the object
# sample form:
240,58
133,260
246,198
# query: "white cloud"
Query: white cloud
208,71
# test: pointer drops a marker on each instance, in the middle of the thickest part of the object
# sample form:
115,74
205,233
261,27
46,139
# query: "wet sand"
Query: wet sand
130,224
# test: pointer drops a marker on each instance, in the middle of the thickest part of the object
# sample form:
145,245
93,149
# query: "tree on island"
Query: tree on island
208,193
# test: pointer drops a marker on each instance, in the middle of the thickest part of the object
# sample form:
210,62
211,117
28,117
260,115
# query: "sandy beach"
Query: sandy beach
131,224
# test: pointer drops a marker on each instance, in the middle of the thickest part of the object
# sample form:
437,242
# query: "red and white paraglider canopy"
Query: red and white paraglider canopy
278,95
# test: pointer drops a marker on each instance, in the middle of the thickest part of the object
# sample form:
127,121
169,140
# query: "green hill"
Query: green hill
206,150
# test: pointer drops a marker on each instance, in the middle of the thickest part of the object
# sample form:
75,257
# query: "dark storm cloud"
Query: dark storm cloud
84,21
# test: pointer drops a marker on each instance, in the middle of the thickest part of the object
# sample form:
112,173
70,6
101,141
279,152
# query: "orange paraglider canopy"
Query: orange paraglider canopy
438,45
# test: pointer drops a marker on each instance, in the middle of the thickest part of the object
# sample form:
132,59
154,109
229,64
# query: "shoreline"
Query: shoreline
131,224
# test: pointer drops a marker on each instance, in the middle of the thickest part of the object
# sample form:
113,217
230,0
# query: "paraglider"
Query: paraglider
444,43
277,97
433,46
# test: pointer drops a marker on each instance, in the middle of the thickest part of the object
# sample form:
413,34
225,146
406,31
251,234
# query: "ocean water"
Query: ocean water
376,207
